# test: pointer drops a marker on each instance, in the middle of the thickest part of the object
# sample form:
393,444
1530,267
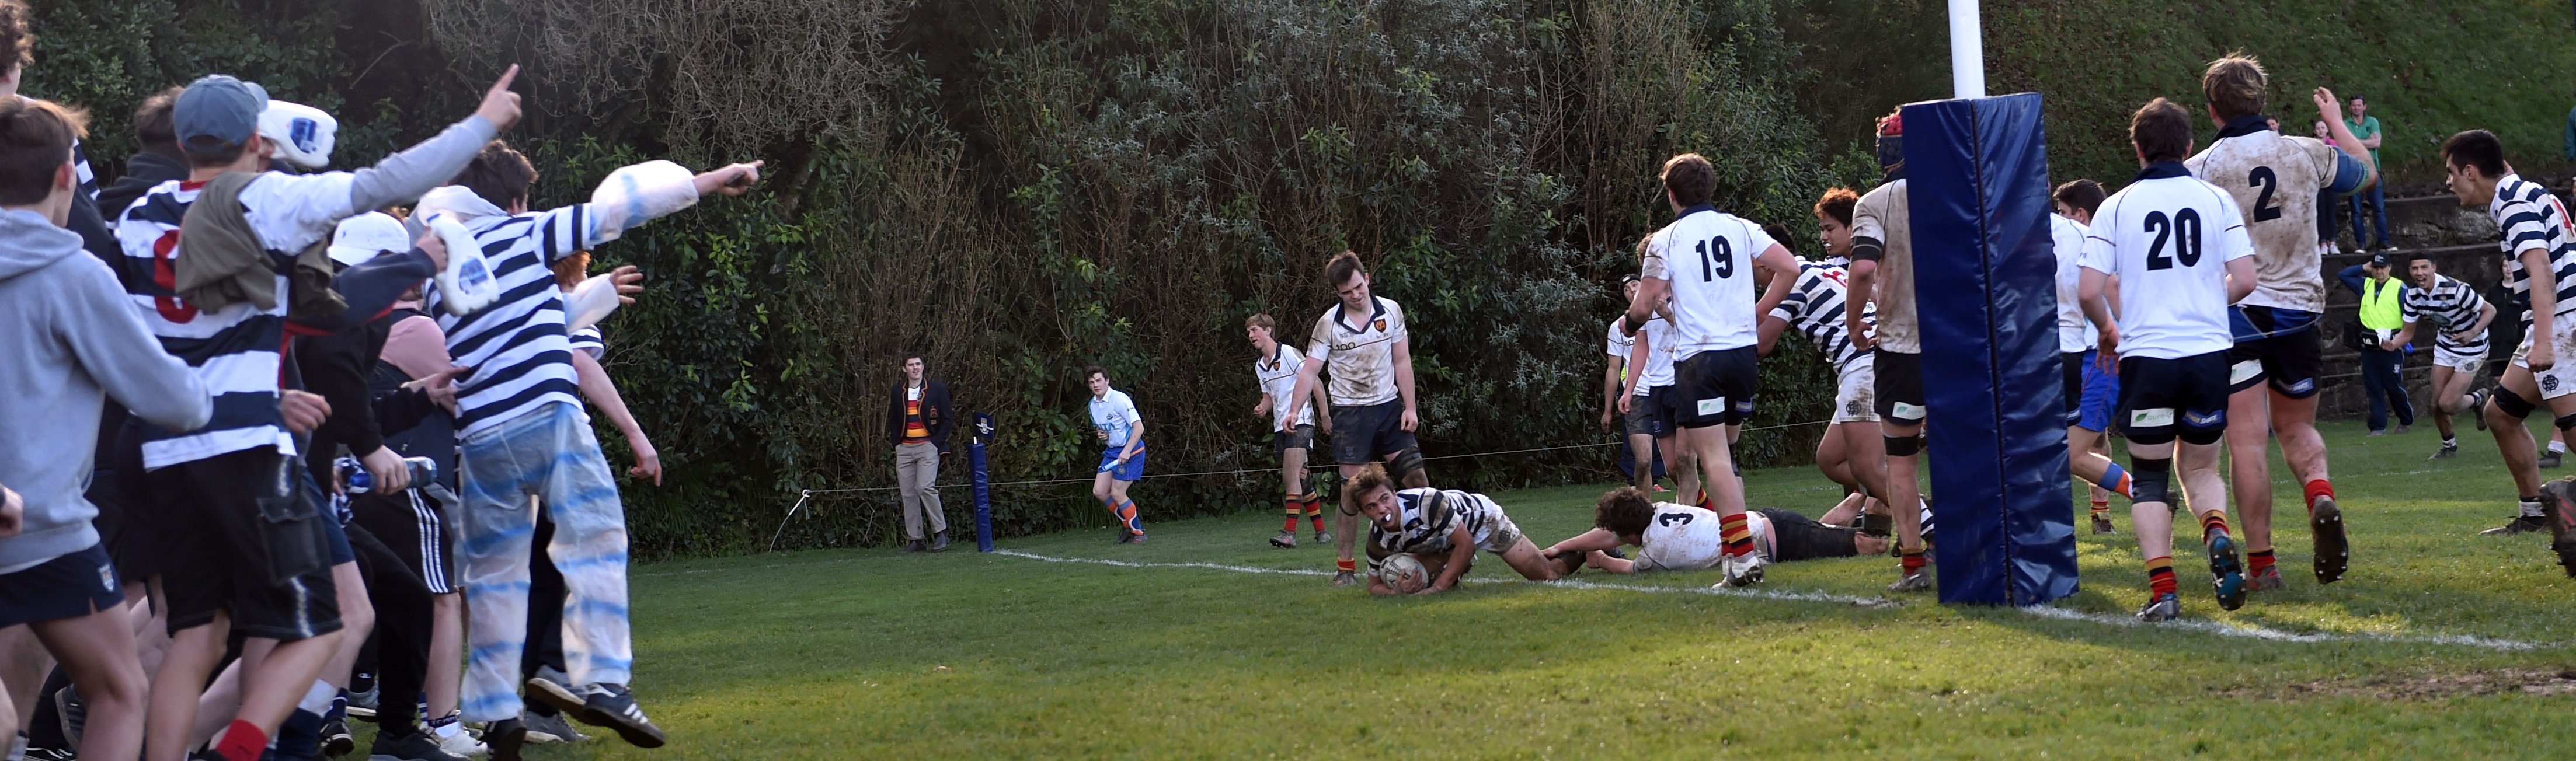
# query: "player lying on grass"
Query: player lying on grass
1680,537
1443,528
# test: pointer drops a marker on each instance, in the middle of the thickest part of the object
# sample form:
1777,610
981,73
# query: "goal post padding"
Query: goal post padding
1986,294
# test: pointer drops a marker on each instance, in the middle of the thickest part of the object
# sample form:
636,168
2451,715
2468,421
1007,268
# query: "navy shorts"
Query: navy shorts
2161,399
2278,346
1714,387
1368,433
74,585
1300,437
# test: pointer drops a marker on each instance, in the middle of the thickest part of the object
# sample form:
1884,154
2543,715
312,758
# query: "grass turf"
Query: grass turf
870,654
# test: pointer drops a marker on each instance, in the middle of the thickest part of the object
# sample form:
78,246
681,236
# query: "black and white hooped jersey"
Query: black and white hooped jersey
1708,256
517,352
2169,237
2532,218
1427,516
1815,306
2445,308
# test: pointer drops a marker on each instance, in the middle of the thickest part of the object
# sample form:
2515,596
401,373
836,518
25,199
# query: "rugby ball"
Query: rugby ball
1404,574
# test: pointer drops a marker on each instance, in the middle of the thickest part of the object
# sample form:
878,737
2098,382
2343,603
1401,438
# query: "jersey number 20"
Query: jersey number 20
1716,260
2183,228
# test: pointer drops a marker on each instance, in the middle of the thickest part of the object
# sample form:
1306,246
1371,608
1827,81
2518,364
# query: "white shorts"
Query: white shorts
2458,361
1855,398
2560,379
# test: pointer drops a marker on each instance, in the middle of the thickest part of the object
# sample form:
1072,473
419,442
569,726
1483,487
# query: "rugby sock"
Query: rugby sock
2257,562
2558,446
2317,488
317,698
1346,565
2115,480
2102,508
1296,509
1127,514
2212,523
1315,509
2160,578
242,742
1737,533
2448,441
1911,562
2531,507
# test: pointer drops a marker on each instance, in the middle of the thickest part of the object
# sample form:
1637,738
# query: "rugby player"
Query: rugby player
1882,271
1363,339
1121,431
1669,536
1275,365
2458,318
2540,264
1443,529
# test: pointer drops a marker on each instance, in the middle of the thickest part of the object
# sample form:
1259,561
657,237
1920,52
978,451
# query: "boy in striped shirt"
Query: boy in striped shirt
1852,452
2458,318
521,433
2540,264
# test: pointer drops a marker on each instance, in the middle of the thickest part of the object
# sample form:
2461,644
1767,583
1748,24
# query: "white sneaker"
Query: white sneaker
1742,571
463,744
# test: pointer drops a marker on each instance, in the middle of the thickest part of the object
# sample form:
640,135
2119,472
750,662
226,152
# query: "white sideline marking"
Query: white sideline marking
2201,626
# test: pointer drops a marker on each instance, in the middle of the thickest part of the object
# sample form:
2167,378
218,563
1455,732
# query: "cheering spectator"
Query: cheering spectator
2366,128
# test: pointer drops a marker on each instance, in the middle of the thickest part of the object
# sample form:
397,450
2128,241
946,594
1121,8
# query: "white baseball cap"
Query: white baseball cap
362,237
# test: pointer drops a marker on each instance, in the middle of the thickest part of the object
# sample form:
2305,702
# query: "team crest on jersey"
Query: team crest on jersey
1381,324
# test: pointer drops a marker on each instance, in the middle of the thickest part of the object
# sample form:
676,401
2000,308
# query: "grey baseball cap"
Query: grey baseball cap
217,113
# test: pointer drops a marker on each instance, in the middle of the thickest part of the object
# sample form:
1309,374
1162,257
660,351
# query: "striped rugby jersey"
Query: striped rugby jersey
1815,307
2532,218
588,341
517,353
2448,306
1427,517
233,350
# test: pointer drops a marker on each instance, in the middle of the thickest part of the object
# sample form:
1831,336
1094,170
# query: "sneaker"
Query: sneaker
2164,608
2226,573
2549,458
550,729
1741,571
1322,538
1345,578
553,688
1286,540
1125,536
505,737
2447,451
464,745
2519,525
58,754
2102,525
336,741
363,704
1140,537
1913,582
2558,508
611,707
939,542
2265,580
68,708
913,546
415,746
2334,553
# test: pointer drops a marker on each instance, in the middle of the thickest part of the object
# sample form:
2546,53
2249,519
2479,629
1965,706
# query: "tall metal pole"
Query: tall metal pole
1967,51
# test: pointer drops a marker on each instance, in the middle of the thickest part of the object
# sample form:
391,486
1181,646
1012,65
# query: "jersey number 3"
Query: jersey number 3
2183,229
1716,260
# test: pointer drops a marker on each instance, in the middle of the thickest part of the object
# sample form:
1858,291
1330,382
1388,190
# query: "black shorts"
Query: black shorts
1645,416
2161,399
239,545
2278,346
1300,437
414,527
1713,387
1798,537
76,584
2074,379
1900,386
1370,432
126,519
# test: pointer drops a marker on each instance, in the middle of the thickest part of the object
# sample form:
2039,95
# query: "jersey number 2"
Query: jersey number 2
2183,228
2264,209
1716,260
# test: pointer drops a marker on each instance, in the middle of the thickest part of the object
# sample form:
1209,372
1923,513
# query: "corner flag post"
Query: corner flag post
983,482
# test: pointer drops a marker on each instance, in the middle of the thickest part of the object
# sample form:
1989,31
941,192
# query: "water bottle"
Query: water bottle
359,481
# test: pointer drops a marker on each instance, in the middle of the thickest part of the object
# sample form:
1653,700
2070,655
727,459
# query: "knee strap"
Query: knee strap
1403,463
2512,404
1904,446
2566,422
2148,479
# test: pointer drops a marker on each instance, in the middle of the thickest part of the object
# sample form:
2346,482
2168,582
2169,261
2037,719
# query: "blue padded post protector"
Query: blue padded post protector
1985,279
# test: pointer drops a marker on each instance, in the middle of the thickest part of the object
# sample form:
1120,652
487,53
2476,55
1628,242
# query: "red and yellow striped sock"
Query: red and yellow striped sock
1737,533
2212,523
2160,577
1346,565
1315,509
2102,508
2258,560
1296,505
1911,562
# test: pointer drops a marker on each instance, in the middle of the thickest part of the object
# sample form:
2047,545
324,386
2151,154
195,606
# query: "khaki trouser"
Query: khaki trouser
916,469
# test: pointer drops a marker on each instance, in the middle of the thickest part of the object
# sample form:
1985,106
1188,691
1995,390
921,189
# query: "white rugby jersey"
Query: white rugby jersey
2532,218
1708,255
1682,537
1115,413
1658,373
233,350
1814,307
2075,332
1425,517
1620,341
2445,308
1883,221
1278,376
2275,180
2169,238
1360,356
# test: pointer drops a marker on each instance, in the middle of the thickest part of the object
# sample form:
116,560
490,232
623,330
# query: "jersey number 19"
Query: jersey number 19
1716,260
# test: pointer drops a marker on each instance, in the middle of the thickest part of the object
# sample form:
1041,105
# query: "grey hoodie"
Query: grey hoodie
68,333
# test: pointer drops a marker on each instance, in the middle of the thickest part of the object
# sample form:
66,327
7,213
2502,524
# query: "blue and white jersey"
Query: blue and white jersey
2532,218
589,341
1814,307
1115,413
516,352
233,350
2446,308
1426,517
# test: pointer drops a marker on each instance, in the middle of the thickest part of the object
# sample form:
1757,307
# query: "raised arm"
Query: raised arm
2330,111
404,176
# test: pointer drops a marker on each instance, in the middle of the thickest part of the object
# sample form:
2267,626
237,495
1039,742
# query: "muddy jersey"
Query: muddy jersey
1883,231
1359,352
2275,181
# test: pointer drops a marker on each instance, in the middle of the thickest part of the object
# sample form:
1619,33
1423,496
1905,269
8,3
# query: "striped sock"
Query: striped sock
2101,508
2115,480
2160,578
2256,561
1315,509
2212,523
1127,515
1738,535
1296,505
1346,565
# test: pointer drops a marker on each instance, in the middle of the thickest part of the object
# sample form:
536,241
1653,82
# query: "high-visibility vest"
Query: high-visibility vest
2379,304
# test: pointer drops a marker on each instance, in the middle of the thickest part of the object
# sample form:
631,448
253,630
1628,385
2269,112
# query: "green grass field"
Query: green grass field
2439,643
